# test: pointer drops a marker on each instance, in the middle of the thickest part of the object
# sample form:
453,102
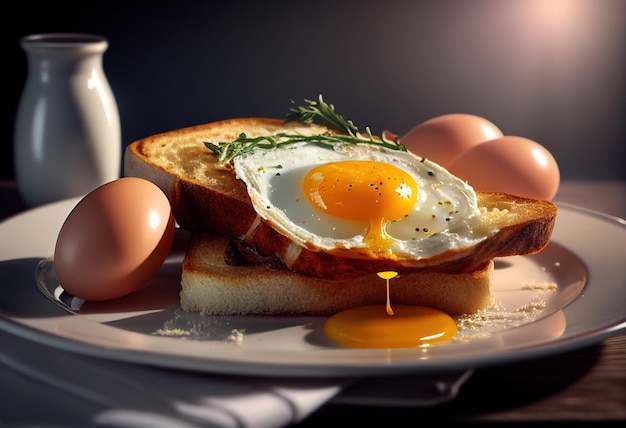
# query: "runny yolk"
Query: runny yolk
371,327
403,326
359,190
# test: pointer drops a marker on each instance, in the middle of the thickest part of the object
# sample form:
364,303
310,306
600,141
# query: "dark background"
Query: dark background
552,71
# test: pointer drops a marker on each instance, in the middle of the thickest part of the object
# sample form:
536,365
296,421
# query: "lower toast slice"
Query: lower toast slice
211,286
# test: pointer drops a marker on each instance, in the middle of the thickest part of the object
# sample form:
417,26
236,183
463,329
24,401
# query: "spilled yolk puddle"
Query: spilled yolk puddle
400,326
371,327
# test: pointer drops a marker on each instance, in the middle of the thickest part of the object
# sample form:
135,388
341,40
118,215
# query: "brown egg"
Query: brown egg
443,138
114,240
509,164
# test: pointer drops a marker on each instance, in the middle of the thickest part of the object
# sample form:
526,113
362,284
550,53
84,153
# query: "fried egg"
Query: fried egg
362,197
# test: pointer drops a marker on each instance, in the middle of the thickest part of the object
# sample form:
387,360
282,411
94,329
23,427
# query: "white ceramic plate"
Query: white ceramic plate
586,258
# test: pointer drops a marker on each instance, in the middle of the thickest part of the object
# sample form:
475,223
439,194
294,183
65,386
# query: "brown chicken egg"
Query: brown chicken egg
114,240
509,164
443,138
475,150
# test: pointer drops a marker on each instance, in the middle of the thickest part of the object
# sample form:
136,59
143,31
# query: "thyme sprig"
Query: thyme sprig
321,113
318,112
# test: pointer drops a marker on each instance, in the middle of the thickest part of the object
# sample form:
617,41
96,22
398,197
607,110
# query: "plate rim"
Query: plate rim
217,365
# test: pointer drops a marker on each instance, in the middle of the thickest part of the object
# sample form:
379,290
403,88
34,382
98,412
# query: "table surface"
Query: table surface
587,384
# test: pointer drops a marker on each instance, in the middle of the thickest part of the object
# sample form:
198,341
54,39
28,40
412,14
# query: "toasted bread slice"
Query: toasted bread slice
524,227
200,191
211,286
207,197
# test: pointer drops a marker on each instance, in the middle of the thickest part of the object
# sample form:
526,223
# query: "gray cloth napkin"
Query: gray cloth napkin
45,386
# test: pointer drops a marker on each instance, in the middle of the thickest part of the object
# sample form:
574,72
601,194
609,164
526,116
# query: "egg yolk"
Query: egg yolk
405,327
359,190
372,327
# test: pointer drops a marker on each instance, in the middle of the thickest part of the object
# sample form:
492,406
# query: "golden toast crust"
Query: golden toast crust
207,197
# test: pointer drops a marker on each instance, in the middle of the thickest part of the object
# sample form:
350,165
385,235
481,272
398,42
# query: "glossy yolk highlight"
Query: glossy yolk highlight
358,190
371,327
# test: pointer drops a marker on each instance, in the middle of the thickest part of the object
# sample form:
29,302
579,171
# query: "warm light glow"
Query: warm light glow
558,14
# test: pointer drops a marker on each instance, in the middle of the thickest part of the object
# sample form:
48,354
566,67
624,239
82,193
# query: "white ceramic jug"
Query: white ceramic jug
67,137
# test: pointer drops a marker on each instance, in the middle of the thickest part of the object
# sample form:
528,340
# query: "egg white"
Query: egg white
445,215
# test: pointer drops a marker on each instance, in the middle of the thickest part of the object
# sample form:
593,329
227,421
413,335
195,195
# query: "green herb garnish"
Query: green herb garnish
318,112
322,114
